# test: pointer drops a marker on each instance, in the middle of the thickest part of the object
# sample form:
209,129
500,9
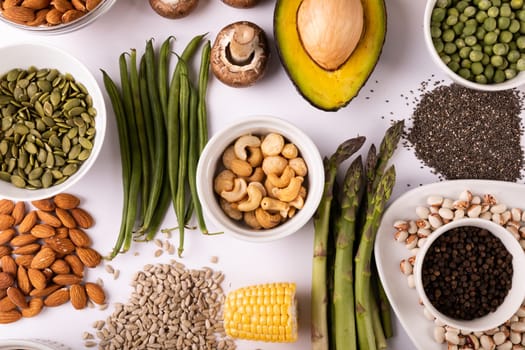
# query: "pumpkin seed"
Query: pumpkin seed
36,173
18,181
70,169
47,179
66,144
75,151
5,176
85,143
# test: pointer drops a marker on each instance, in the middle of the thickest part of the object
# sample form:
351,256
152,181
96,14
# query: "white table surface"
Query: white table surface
388,94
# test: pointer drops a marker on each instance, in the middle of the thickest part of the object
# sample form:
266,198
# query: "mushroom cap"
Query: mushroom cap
239,75
242,4
173,9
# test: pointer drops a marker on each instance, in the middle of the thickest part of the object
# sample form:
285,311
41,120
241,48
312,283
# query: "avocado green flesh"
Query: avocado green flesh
329,90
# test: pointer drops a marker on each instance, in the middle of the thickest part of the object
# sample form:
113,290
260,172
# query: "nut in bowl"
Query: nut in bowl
477,44
53,121
260,179
470,274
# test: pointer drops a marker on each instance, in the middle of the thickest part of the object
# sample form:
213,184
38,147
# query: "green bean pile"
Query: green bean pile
162,128
480,40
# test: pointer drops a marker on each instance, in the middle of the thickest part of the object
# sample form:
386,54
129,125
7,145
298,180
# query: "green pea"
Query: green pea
481,16
485,60
493,12
520,42
477,47
461,5
481,79
469,29
510,73
490,24
496,3
516,4
464,73
490,38
487,49
514,26
480,33
455,57
505,37
500,49
522,28
460,43
521,15
435,31
438,15
453,12
448,36
462,18
443,3
475,56
445,58
520,65
484,5
465,64
503,23
489,71
513,56
469,11
450,48
499,76
476,68
505,10
453,65
464,52
438,45
496,61
451,20
470,40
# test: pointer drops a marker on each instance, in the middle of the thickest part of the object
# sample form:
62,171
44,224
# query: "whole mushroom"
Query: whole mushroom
241,4
173,9
239,55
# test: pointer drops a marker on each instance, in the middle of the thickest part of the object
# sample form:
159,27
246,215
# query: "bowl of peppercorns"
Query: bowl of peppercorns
470,274
479,44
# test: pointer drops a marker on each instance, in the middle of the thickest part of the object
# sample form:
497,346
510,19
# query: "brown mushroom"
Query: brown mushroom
239,54
173,9
241,4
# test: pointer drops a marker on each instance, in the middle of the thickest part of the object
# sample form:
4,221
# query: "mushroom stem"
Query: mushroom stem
243,44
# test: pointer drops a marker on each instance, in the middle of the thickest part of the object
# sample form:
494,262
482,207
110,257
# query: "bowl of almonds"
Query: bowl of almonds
260,179
53,121
52,16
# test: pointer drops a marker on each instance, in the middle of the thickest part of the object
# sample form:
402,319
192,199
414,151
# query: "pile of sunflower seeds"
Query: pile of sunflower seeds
467,134
171,307
413,233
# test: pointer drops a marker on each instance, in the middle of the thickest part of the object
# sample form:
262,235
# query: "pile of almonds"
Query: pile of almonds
43,253
46,12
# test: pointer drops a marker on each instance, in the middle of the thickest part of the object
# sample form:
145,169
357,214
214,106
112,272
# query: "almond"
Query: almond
3,293
40,18
44,258
17,297
27,249
66,218
44,204
19,212
60,267
62,5
6,304
82,217
36,4
10,316
91,4
11,3
19,14
8,265
79,237
48,218
6,206
66,280
62,232
24,260
34,307
79,5
78,296
76,264
60,245
88,256
54,17
43,231
95,293
48,273
6,221
58,297
23,239
22,279
37,278
37,293
6,280
6,235
28,222
71,15
66,201
4,250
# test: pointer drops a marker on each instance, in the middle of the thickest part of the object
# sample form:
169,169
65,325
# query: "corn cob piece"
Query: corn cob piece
265,312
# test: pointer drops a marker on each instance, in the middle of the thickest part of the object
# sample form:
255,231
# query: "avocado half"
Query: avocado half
325,89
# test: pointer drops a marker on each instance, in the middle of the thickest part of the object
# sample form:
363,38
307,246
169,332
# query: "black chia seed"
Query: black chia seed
467,134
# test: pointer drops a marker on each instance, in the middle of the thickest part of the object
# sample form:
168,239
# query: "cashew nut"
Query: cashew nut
298,202
254,197
275,205
265,219
284,179
230,210
299,166
242,143
292,212
290,151
290,192
269,188
227,156
251,220
241,167
256,176
237,193
274,164
255,156
272,144
223,181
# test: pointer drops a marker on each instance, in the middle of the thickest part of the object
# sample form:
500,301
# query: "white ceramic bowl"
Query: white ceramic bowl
518,80
33,344
515,296
83,21
210,160
43,56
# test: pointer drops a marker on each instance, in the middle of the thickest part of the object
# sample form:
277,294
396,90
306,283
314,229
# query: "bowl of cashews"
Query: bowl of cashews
260,179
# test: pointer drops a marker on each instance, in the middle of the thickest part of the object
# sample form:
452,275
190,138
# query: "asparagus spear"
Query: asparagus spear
363,260
320,334
343,295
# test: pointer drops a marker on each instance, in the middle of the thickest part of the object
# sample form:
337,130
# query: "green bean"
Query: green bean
146,107
160,212
125,157
162,78
203,85
143,142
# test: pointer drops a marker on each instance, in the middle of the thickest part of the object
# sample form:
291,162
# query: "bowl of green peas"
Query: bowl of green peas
480,44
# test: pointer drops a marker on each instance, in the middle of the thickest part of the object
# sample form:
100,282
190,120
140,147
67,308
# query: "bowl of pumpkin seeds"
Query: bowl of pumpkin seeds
52,121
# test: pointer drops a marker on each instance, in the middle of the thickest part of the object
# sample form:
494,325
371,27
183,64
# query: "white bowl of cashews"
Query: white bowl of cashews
260,179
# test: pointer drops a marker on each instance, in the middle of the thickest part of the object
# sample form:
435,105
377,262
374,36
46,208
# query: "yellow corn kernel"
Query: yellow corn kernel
264,312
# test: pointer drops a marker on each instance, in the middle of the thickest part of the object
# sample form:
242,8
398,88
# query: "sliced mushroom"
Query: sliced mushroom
173,9
239,55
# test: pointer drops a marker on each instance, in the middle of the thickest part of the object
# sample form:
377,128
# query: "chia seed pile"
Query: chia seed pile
468,134
467,273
